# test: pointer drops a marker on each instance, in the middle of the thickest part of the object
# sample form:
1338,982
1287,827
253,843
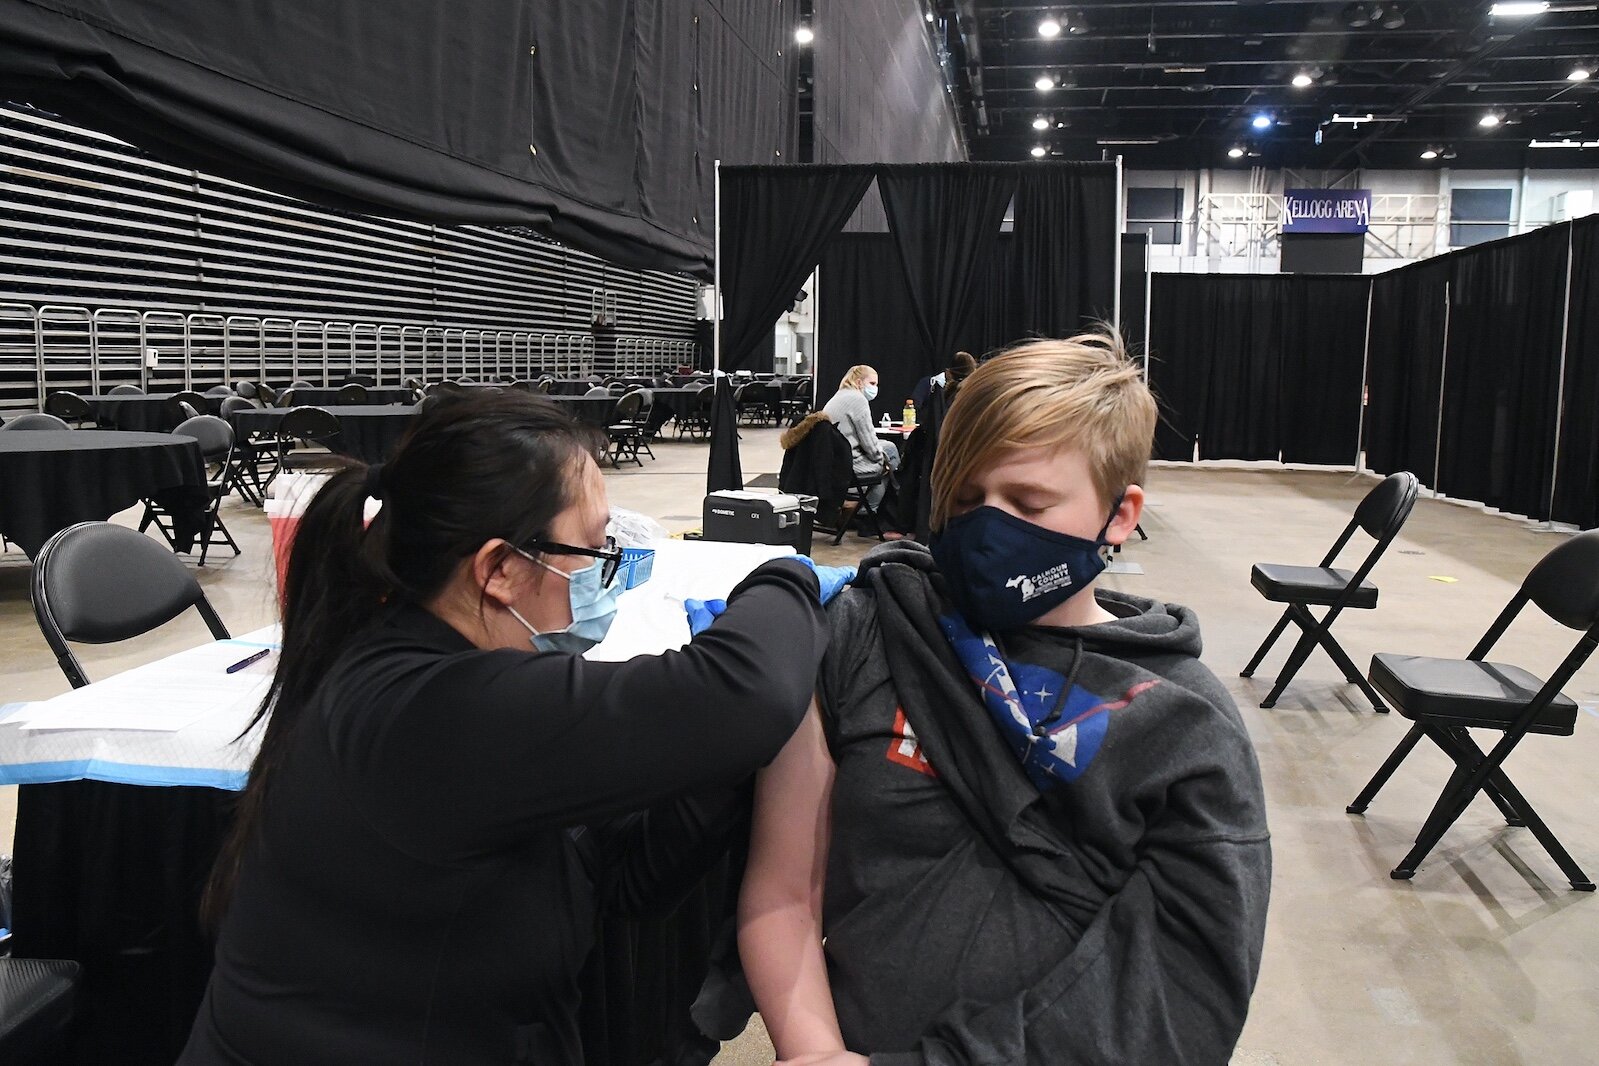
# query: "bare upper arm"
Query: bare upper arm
789,837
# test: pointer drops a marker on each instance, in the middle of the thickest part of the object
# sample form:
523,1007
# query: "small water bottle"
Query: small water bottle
886,420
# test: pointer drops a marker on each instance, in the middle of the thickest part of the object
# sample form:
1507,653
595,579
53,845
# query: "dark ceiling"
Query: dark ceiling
1192,75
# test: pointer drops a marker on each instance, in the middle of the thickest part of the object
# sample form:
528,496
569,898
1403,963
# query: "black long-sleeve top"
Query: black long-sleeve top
449,822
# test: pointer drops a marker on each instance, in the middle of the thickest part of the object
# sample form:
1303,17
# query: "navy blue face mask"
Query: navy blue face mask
1004,572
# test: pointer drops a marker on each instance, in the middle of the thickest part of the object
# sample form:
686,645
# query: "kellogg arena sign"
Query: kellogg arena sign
1326,210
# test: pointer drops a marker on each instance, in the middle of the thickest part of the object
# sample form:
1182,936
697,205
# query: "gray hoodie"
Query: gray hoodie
969,918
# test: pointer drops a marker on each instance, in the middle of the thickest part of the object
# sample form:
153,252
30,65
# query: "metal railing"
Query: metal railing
53,347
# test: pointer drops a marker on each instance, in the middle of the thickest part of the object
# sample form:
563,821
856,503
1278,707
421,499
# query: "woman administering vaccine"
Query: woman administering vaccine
440,807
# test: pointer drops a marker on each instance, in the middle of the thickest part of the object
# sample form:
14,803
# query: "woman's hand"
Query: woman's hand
826,1058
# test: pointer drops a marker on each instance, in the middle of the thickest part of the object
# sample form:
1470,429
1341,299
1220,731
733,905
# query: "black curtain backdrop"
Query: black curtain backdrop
595,123
945,223
775,223
1257,367
1066,234
1404,372
865,315
1323,352
1577,472
1501,371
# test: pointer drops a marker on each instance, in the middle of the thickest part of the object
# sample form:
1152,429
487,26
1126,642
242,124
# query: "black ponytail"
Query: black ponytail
471,468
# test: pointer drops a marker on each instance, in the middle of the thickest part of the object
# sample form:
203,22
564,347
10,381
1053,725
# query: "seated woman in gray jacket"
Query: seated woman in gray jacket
850,409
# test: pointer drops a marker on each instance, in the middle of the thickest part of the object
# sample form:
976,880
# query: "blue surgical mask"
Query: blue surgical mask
593,608
1004,572
870,391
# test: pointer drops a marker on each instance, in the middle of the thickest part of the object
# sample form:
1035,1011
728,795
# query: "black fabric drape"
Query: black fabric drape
944,221
1404,371
723,467
595,123
1501,371
1066,234
1323,351
1577,472
916,468
775,223
1258,366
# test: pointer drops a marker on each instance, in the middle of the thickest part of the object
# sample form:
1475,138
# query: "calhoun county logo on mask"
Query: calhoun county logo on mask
1056,577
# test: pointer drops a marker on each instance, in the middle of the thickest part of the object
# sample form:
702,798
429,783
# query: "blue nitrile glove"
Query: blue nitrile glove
831,578
701,613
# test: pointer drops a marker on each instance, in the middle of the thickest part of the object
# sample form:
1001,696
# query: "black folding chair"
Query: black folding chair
620,431
266,394
310,427
37,1002
215,437
250,456
1381,514
98,583
697,422
69,407
1446,698
126,390
797,407
353,393
183,406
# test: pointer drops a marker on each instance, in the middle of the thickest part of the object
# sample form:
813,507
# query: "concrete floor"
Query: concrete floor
1486,957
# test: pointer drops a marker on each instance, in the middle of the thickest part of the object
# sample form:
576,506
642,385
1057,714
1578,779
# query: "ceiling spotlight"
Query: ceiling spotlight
803,35
1078,27
1356,16
929,16
1044,83
1393,18
1579,74
1490,120
1039,151
1061,124
1518,9
1235,152
1261,121
1040,123
1303,80
1429,153
1049,28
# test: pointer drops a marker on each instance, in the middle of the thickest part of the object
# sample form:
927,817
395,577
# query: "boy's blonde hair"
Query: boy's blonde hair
1083,393
855,375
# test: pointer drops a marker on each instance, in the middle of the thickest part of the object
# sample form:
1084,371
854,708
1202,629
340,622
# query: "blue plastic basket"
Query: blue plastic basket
637,563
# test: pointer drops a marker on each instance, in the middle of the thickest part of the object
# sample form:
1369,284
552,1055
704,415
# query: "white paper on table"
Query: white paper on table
163,696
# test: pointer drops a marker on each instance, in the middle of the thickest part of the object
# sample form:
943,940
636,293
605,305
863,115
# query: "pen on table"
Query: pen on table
247,660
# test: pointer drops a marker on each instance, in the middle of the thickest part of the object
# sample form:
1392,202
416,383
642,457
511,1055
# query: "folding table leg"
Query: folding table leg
1260,653
1385,771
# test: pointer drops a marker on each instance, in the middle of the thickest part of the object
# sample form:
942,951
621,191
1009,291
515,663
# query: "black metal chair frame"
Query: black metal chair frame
213,531
1476,771
123,559
353,393
697,423
1314,631
304,425
623,431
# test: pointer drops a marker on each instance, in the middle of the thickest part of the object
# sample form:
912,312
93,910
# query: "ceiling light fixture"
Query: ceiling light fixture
929,16
1078,27
1049,28
1356,16
1110,141
1303,80
1393,18
1235,152
1039,151
1429,153
1490,120
1040,123
1568,143
804,35
1044,83
1261,121
1579,74
1518,9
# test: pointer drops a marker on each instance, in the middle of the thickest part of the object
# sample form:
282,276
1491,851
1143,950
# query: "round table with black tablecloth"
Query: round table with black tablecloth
592,410
571,386
51,479
142,412
367,432
322,397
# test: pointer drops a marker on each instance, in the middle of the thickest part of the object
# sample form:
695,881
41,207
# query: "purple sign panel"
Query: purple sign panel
1326,210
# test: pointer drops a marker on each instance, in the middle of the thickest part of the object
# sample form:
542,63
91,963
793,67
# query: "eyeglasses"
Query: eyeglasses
610,556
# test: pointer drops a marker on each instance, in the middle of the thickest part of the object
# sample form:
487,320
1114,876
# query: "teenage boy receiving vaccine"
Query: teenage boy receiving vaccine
1026,819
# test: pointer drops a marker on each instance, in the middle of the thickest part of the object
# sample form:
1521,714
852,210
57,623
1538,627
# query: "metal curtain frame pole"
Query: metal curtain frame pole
1116,236
1560,384
716,282
1365,380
